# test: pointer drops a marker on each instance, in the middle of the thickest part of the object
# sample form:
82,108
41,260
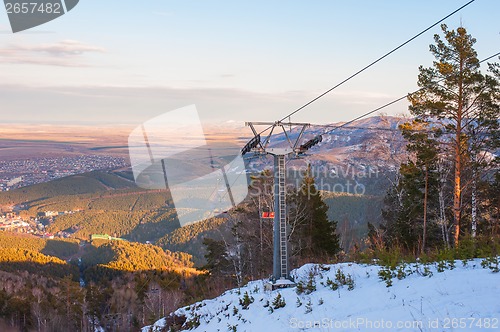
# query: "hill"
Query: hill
88,183
102,284
130,256
34,262
108,203
352,167
353,297
190,238
62,249
97,202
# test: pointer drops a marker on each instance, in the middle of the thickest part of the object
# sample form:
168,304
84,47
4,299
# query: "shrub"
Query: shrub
311,284
307,288
309,307
299,303
278,302
246,301
491,263
341,280
299,289
386,275
332,284
192,323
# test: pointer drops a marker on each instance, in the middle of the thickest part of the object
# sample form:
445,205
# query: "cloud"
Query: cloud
64,48
134,105
109,104
66,53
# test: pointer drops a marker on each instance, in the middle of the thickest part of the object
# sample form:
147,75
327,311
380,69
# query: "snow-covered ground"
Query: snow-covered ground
459,298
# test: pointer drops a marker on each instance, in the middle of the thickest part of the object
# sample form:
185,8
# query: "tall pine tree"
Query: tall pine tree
456,96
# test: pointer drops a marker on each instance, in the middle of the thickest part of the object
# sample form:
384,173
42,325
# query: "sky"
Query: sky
125,62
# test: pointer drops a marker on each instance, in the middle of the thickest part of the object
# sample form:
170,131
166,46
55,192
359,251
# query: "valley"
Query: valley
352,178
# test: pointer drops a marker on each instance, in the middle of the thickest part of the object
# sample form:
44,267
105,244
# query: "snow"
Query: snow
459,298
156,326
284,282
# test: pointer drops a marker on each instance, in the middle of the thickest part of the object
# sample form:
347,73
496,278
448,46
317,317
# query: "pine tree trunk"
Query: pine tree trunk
443,175
424,235
457,190
456,201
474,197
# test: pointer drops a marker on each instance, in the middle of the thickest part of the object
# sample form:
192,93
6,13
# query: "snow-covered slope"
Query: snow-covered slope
459,298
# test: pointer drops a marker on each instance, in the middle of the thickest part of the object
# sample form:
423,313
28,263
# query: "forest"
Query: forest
119,284
447,191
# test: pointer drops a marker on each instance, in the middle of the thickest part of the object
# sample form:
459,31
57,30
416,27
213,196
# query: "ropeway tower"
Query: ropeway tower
281,267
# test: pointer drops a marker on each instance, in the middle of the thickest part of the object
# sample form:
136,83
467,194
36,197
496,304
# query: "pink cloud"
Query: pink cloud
66,53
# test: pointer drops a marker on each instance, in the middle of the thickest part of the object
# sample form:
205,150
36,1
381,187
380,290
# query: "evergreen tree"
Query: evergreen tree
217,262
403,226
492,228
319,233
412,206
456,96
422,143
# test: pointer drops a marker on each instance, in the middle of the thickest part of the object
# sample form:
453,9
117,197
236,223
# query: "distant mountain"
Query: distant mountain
367,152
352,138
375,141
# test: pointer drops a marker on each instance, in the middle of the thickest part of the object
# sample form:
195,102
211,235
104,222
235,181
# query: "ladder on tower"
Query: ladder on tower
282,215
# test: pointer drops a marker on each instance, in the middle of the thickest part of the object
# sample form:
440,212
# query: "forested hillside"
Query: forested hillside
109,203
353,213
60,248
89,183
190,238
105,283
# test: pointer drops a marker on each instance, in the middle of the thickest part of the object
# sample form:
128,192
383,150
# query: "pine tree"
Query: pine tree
403,229
423,144
457,97
278,302
217,262
319,232
246,301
